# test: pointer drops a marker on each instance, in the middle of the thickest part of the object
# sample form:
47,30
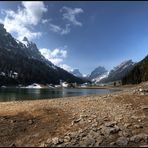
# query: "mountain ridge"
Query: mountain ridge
28,63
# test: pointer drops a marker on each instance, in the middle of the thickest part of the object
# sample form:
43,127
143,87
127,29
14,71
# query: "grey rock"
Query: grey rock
12,121
110,124
75,121
94,124
112,144
67,139
88,142
115,129
56,140
139,137
122,141
127,125
109,130
74,134
138,126
30,121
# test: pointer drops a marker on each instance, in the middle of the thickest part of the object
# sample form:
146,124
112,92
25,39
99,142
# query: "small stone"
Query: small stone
89,120
12,121
115,129
55,140
138,126
13,145
139,120
110,124
67,138
75,121
43,145
30,121
49,140
122,141
145,107
109,130
88,142
83,116
112,144
93,116
73,134
127,125
140,89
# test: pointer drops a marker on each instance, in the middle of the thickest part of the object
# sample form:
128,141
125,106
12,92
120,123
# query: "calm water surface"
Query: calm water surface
11,94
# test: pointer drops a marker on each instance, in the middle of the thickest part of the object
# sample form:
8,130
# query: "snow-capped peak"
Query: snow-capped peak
76,73
123,65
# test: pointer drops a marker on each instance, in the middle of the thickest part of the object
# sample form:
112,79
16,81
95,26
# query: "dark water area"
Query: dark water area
14,94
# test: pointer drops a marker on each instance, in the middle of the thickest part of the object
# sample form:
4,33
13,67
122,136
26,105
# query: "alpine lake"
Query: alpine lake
19,94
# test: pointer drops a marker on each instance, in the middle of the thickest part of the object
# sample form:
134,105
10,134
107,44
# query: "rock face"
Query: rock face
118,72
24,60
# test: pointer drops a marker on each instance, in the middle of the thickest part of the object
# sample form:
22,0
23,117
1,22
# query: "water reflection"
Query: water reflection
11,94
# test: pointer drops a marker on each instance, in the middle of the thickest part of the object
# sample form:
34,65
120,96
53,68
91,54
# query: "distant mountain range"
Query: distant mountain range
118,72
138,74
22,63
101,75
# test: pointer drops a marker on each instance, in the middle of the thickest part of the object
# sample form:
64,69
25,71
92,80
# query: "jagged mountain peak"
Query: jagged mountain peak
76,73
25,39
123,65
97,72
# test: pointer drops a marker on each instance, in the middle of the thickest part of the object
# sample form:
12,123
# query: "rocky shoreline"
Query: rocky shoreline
116,119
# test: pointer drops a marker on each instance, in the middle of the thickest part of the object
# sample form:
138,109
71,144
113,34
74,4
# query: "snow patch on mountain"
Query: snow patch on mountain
99,78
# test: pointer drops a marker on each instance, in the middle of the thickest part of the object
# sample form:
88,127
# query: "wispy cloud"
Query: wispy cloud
26,16
60,30
44,21
70,15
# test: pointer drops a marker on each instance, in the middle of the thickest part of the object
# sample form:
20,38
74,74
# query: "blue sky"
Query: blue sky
81,35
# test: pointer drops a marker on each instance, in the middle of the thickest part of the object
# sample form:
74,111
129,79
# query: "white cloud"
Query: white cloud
56,56
60,30
70,15
26,16
44,21
66,67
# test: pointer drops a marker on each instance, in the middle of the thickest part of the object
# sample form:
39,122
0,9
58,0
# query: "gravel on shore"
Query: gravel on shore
116,119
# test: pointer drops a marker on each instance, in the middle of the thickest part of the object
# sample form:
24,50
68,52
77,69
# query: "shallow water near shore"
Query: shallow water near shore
14,94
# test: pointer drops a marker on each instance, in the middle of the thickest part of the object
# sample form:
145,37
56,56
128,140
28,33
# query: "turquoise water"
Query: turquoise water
12,94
